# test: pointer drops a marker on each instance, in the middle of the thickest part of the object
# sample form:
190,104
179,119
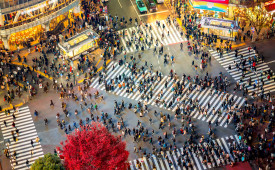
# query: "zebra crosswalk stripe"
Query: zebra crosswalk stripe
146,163
156,33
200,101
224,120
157,89
166,163
204,96
229,59
131,165
27,132
161,163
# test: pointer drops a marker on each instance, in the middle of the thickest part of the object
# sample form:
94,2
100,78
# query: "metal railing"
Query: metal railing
37,17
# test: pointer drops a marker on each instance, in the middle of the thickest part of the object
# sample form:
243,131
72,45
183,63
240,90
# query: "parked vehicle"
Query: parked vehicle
141,6
159,1
151,5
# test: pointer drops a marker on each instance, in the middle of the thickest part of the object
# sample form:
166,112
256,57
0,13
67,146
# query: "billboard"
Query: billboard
209,6
217,1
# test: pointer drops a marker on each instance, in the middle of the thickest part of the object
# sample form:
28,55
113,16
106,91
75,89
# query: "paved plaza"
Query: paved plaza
179,99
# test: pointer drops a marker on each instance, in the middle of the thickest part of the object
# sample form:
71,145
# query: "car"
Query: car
159,1
141,6
151,5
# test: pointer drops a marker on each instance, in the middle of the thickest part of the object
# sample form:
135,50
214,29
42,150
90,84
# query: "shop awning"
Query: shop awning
270,6
209,6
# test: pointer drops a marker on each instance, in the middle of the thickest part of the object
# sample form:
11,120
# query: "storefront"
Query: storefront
24,38
270,6
79,43
225,29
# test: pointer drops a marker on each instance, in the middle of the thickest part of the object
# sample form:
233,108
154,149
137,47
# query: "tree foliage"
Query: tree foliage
257,16
48,162
94,147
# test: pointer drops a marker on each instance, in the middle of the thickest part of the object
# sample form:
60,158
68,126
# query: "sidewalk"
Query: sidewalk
5,162
239,166
17,101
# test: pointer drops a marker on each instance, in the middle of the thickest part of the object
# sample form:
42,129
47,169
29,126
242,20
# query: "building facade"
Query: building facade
24,22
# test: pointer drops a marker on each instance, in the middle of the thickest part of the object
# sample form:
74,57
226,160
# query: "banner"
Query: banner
209,6
217,1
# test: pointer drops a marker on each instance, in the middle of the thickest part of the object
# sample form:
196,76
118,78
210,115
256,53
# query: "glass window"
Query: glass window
7,5
1,4
20,1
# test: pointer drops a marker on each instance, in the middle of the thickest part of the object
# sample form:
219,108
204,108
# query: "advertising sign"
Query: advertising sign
207,5
217,1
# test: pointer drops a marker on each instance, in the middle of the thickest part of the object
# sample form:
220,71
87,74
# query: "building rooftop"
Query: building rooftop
209,22
76,41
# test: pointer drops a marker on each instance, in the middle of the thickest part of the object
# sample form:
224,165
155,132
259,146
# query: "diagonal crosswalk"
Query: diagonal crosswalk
22,143
218,106
229,59
218,154
150,36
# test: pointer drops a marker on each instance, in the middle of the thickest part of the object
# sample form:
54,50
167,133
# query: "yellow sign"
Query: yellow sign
226,24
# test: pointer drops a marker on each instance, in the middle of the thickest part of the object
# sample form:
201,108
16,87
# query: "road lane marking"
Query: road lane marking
98,62
154,13
135,9
270,62
119,3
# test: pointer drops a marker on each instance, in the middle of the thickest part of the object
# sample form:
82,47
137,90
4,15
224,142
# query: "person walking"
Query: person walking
35,113
32,143
46,121
27,163
51,103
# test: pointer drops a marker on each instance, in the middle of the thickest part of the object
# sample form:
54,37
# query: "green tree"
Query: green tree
48,162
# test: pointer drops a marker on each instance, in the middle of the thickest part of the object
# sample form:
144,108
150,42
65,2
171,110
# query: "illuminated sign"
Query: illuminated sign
206,5
217,1
210,5
269,3
220,23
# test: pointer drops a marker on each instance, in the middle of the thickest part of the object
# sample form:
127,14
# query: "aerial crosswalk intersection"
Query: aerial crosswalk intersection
169,159
18,133
207,98
256,77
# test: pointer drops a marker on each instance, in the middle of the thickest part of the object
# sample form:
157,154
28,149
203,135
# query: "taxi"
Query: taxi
141,6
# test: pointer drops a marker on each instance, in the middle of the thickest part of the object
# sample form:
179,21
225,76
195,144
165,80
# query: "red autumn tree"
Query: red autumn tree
94,147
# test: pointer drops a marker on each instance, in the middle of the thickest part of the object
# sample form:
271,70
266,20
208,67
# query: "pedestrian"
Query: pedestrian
51,103
150,120
35,113
46,121
27,163
32,143
5,123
